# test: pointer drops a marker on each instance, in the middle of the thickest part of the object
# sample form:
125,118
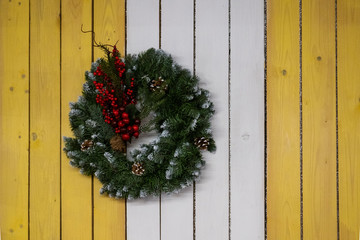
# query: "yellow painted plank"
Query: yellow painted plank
319,120
349,117
109,26
283,121
45,120
14,115
76,50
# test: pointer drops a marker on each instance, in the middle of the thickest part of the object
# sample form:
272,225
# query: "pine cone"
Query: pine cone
86,145
202,143
138,169
158,85
118,144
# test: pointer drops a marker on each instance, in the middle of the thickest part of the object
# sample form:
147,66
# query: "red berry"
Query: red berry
126,121
121,124
116,112
122,109
135,128
125,137
125,115
123,130
137,121
136,134
129,128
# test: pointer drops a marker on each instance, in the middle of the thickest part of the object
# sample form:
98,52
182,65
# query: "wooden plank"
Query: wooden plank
143,219
349,115
283,120
142,33
76,49
14,119
212,192
177,38
44,120
247,119
109,26
319,120
177,30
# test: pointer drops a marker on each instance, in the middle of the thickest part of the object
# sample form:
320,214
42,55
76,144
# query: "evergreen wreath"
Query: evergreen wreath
123,98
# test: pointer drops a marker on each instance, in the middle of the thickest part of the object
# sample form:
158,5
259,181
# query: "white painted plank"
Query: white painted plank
142,25
212,195
177,39
247,119
177,35
143,215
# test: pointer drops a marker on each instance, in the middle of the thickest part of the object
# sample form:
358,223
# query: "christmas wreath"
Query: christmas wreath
125,98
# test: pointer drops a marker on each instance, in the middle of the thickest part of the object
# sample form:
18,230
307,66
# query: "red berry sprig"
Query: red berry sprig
119,65
114,101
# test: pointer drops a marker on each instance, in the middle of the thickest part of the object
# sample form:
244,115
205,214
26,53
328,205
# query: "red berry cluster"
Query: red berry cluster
113,108
128,97
119,65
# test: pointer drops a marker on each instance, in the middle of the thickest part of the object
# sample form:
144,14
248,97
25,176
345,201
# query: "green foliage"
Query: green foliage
178,114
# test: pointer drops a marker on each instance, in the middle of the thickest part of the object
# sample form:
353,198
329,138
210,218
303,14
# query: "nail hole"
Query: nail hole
19,136
26,91
284,72
245,136
19,3
318,58
11,230
34,136
23,75
11,88
21,226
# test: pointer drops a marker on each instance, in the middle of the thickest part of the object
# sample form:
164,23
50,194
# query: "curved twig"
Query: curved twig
95,44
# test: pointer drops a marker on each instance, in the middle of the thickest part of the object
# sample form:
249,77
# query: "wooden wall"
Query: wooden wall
283,77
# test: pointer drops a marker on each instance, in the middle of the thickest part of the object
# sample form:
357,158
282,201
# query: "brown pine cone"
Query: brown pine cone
138,169
86,145
118,144
202,143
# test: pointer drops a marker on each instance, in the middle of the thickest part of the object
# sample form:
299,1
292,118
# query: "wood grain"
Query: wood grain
76,49
109,26
143,33
44,120
247,119
212,52
319,120
349,115
177,209
283,120
14,119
